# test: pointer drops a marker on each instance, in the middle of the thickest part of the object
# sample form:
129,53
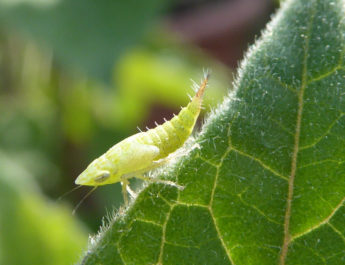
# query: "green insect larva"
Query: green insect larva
144,151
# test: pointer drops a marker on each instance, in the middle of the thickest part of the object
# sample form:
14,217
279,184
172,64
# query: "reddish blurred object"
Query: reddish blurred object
221,28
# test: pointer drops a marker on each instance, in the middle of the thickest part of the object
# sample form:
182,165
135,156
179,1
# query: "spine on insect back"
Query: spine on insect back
172,134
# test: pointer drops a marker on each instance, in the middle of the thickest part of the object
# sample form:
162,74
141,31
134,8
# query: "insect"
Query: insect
144,151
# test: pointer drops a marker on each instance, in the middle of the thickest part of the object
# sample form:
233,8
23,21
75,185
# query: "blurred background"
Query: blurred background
78,76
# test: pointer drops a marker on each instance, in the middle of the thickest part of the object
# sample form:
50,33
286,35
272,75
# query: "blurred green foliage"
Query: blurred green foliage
88,34
166,80
33,229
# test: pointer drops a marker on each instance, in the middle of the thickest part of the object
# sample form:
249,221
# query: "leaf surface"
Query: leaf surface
267,184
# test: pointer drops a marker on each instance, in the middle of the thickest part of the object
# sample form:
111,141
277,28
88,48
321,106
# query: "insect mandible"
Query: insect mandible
144,151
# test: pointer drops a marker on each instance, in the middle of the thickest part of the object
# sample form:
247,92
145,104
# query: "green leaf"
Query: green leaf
267,184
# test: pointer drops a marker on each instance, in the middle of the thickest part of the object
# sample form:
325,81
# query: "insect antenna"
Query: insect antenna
69,192
83,199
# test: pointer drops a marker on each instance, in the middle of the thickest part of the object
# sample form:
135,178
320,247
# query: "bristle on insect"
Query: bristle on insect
195,86
207,73
203,84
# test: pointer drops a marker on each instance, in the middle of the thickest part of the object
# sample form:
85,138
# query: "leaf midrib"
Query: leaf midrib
287,218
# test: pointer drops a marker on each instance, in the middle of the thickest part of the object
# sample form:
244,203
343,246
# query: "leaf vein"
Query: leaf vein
260,162
287,236
314,252
258,210
337,231
207,161
281,126
147,222
324,75
323,135
281,83
181,245
192,204
163,240
325,221
227,251
321,162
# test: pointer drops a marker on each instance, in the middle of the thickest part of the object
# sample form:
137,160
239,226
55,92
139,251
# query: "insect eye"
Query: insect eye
102,177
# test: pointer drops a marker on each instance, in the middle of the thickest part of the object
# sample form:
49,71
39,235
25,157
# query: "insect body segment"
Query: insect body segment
144,151
172,134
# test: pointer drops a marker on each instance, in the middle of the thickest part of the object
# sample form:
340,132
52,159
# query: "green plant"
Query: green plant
267,184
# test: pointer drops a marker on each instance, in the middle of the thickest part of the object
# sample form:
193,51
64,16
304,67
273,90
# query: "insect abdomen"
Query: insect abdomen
172,134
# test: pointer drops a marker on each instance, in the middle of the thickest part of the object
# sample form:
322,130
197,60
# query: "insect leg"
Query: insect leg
162,161
155,180
124,183
131,192
177,154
